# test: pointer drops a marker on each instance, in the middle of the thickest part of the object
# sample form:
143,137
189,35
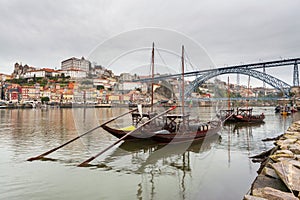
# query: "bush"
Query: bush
45,99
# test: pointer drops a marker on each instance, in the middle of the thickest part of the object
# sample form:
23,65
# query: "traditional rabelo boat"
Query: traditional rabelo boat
137,118
226,115
179,128
245,115
241,114
170,127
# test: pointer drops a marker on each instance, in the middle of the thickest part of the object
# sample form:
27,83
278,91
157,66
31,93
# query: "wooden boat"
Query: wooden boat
278,109
226,115
245,115
285,113
242,114
173,127
137,118
178,129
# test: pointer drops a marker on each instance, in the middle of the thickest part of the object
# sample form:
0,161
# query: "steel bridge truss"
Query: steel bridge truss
274,82
246,69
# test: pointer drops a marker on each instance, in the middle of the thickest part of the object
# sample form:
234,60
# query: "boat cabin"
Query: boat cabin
172,122
138,117
245,112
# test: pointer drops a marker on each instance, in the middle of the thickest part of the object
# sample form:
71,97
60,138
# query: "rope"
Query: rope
161,57
189,60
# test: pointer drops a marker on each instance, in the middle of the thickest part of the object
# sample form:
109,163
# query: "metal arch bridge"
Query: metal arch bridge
247,69
274,82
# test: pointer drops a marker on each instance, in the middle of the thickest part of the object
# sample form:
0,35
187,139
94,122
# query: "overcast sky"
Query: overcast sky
43,33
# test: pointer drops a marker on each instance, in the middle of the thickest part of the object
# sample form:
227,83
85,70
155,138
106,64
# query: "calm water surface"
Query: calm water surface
217,168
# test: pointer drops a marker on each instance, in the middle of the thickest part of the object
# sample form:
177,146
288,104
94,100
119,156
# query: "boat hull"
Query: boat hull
249,119
189,135
143,134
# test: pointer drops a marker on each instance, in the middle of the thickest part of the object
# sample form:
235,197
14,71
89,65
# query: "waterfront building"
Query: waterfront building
89,95
12,92
67,96
46,93
4,77
114,98
55,96
31,92
76,63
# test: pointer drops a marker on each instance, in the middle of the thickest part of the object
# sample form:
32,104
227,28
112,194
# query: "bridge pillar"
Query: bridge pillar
296,75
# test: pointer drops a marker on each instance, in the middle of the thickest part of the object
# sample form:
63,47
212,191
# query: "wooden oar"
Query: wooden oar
86,163
72,140
227,117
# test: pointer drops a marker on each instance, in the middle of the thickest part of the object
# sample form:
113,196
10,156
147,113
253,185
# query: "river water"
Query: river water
216,168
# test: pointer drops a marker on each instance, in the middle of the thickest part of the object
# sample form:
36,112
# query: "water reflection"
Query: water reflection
146,154
242,127
152,161
139,169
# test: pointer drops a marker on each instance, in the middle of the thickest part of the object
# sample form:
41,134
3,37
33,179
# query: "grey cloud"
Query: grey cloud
42,33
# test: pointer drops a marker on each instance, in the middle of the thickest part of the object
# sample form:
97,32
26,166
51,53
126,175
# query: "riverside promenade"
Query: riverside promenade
279,175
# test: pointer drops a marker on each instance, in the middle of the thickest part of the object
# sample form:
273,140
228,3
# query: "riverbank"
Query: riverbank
279,174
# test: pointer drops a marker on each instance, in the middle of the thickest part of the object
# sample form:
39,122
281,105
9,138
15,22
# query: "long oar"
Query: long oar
52,150
85,163
227,117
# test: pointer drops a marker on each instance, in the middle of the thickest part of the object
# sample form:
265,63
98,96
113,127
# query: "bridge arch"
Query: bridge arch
271,80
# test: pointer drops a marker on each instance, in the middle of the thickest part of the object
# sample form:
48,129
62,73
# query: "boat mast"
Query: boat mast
248,92
182,80
152,76
228,93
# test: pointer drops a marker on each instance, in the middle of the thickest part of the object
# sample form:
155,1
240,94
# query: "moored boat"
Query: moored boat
137,118
241,115
226,115
286,110
245,115
177,129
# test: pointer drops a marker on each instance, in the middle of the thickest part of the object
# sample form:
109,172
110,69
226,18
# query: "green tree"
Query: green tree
45,99
100,87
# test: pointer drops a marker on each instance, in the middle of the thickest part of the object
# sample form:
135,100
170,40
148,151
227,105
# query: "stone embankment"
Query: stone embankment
279,175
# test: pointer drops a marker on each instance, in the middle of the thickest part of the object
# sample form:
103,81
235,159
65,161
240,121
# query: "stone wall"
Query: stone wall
279,175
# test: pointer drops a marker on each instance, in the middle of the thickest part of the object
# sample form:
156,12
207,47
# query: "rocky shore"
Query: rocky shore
279,175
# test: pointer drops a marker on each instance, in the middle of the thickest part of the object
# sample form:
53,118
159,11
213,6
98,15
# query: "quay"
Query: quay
279,174
55,105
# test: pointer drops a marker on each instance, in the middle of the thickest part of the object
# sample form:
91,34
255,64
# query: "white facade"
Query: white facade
74,73
133,86
126,77
4,77
75,63
36,73
41,73
102,82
